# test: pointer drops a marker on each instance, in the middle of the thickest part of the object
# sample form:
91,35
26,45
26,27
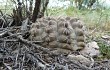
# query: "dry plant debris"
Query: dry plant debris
18,53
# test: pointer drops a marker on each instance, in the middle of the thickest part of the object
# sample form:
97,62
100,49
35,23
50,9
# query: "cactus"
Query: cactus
64,33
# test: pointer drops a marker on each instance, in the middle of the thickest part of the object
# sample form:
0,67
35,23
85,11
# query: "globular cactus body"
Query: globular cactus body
65,33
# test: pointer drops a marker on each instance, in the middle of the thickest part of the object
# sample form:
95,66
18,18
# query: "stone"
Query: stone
80,58
106,39
59,51
91,49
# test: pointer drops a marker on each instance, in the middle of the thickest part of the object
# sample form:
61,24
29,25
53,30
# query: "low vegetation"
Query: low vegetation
96,21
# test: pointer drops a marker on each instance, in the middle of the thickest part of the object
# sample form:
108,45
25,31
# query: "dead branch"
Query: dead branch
26,42
44,7
36,10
